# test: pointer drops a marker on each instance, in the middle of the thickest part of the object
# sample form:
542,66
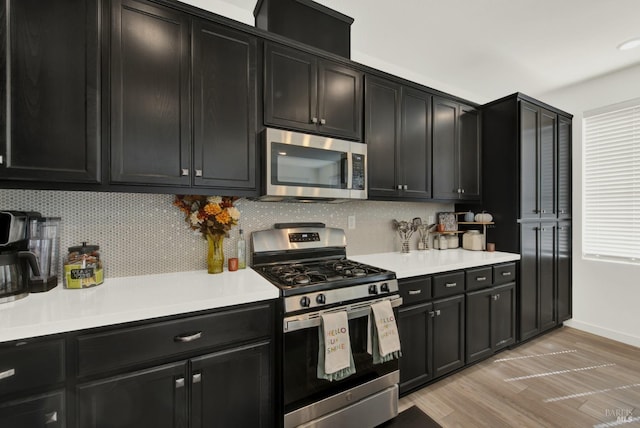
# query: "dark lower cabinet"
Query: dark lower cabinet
155,397
448,335
563,265
490,321
40,411
232,388
50,116
415,329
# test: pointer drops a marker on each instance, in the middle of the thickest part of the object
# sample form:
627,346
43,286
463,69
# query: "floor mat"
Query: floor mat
412,417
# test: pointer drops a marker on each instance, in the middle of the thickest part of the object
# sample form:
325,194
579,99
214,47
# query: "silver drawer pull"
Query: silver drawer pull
414,292
451,284
7,373
196,378
180,383
481,278
189,337
506,273
438,313
50,418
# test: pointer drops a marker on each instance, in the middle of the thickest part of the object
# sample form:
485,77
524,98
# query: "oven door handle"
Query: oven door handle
314,319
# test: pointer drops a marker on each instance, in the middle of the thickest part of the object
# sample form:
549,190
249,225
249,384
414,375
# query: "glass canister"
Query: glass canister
83,267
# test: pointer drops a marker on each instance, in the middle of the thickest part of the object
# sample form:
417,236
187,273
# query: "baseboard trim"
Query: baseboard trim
604,332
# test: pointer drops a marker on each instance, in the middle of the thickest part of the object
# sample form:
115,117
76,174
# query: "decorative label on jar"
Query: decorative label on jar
78,277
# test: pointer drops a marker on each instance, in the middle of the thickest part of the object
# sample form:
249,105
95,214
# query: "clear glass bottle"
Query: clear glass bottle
242,251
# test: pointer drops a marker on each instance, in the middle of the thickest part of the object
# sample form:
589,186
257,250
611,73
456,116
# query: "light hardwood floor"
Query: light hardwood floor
566,378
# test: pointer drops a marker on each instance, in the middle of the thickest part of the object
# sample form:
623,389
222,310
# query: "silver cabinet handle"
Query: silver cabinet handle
196,378
414,292
314,120
198,173
7,373
180,383
495,297
50,418
188,337
399,186
462,190
506,273
1,160
451,284
432,314
323,122
184,171
544,211
438,312
405,187
481,278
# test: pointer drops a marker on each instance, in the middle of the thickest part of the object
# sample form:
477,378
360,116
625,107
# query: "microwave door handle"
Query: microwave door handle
349,170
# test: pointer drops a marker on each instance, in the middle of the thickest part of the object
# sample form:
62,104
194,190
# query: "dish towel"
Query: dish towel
335,360
383,341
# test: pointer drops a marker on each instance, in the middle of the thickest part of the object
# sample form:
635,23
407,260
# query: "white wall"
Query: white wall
606,296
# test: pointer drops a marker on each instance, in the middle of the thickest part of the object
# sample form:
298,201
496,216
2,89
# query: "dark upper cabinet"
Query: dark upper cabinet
564,167
224,107
456,151
538,161
307,93
563,266
167,73
398,137
150,85
50,121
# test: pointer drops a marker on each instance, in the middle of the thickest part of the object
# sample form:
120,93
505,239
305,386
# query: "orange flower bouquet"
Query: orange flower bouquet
213,216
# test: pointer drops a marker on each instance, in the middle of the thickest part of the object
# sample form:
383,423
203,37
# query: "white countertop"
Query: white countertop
135,298
416,263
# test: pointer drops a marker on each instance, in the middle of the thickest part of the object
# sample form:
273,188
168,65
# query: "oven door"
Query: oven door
310,166
307,398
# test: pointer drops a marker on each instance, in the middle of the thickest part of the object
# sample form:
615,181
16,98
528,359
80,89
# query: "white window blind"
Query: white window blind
611,199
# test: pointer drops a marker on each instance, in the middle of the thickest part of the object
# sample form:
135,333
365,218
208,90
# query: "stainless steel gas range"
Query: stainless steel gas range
307,262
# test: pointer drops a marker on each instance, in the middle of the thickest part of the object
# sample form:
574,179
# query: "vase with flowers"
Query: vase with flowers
213,217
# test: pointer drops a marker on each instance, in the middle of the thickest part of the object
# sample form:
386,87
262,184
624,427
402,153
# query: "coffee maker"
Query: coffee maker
16,261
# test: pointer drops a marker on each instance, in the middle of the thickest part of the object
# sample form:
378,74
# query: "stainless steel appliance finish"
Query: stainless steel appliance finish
307,167
307,262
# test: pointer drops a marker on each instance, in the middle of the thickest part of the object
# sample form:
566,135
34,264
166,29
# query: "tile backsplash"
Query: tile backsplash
142,234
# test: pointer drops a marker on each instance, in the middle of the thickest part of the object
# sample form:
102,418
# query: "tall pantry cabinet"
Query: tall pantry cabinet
527,188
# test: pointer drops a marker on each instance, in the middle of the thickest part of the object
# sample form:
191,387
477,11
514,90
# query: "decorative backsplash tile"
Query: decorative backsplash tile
142,234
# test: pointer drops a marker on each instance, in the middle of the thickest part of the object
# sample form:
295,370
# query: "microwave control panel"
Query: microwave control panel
359,178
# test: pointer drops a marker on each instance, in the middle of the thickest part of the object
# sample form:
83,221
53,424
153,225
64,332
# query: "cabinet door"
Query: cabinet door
479,319
382,134
445,168
547,278
414,327
503,322
547,163
233,388
224,107
563,264
41,411
529,140
528,297
290,92
448,335
50,120
469,153
339,100
564,167
151,398
150,119
414,169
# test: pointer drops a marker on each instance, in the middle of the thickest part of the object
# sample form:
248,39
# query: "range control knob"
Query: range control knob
384,287
320,299
373,289
305,302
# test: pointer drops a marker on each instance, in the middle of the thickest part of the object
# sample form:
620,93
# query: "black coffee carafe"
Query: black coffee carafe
14,274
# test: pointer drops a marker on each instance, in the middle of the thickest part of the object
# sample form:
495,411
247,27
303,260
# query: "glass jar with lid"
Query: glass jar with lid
83,267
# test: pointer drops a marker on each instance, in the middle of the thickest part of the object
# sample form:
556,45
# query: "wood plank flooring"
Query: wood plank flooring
566,378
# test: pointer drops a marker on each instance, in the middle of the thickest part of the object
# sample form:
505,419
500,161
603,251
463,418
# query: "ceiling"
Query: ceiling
483,49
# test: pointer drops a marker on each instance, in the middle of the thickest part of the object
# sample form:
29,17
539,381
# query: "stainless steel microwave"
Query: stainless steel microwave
314,168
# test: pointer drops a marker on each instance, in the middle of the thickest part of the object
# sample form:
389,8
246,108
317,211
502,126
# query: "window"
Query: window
611,198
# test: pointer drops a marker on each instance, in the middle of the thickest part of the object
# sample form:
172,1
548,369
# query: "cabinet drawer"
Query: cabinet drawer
505,273
448,284
31,365
415,290
479,278
126,347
